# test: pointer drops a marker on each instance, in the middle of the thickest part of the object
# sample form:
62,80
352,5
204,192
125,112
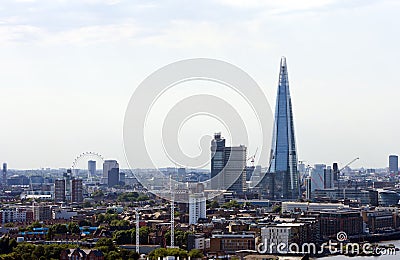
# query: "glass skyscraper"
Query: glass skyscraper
282,179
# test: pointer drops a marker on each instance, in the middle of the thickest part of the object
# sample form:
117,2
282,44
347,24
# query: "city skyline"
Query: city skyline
64,76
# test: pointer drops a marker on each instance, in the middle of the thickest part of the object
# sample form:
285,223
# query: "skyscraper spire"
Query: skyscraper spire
282,178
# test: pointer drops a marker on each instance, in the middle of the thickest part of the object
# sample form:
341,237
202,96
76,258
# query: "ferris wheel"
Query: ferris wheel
87,157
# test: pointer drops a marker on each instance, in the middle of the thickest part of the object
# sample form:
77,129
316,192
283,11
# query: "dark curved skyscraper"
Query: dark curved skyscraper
282,179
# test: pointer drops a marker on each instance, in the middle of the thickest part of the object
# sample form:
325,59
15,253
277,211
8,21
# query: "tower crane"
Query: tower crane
339,174
352,161
252,158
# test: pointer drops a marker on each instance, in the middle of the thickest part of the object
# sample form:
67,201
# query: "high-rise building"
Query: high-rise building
282,178
228,166
307,183
328,178
107,166
113,177
59,190
91,169
217,161
393,163
235,168
197,207
76,191
121,179
335,168
318,177
4,173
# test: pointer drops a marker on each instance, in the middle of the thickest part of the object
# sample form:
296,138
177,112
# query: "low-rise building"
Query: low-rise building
333,222
285,233
230,243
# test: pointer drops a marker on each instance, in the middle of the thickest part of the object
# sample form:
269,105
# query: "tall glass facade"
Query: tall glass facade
283,174
217,161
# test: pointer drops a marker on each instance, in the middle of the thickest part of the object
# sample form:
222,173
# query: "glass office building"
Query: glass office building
282,179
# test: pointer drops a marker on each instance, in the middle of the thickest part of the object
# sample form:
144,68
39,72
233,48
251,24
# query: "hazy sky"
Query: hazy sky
68,69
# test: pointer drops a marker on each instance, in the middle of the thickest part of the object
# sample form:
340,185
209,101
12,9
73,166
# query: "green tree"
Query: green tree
129,254
59,228
35,224
38,251
231,204
214,204
7,245
161,252
123,237
84,222
195,253
180,238
105,245
276,209
73,228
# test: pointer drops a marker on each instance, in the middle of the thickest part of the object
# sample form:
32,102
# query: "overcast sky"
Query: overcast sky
68,69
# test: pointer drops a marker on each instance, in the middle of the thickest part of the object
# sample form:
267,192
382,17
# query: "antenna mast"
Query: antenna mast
137,231
172,213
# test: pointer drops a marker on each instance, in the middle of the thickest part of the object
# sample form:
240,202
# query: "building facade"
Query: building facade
332,222
230,243
197,207
228,166
59,190
393,164
107,166
285,233
76,191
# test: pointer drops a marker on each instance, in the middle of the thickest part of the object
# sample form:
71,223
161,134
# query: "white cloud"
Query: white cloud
281,4
94,34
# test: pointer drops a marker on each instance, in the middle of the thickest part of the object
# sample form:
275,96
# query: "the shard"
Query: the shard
282,178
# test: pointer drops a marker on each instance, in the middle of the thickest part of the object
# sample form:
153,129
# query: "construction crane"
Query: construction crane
339,175
252,158
352,161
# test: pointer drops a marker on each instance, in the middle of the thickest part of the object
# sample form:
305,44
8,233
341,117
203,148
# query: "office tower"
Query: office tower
59,190
217,161
235,168
230,162
335,172
113,177
107,166
307,183
4,173
328,178
197,207
393,164
76,191
121,180
91,169
282,178
67,177
317,177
